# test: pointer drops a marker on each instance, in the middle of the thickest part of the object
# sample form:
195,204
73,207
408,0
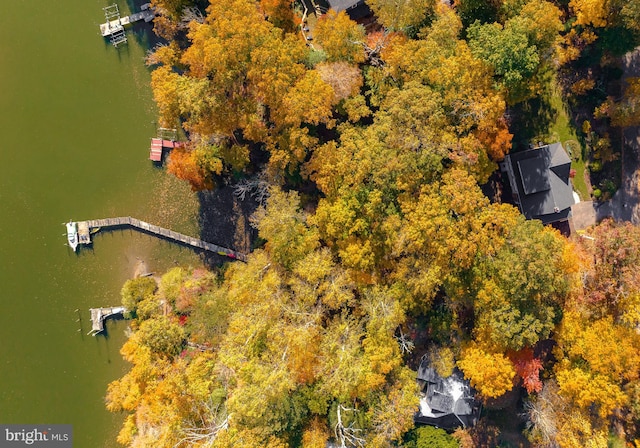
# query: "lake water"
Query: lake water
76,116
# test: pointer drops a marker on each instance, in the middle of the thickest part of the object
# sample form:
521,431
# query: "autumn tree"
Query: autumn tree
340,37
542,22
611,282
471,11
601,13
490,373
162,336
345,79
280,13
444,63
443,235
390,133
598,358
552,421
136,291
508,50
285,228
528,369
172,8
164,83
523,288
293,344
406,15
626,111
242,80
184,165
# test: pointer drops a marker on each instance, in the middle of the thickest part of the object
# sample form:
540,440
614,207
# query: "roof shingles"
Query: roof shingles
540,180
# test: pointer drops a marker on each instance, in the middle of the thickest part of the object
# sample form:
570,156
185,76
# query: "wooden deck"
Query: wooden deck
84,235
128,221
98,315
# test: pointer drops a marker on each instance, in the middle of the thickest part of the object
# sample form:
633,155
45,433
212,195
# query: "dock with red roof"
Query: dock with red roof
166,140
156,150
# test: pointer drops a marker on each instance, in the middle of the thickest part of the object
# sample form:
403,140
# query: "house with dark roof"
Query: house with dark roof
356,9
447,403
540,182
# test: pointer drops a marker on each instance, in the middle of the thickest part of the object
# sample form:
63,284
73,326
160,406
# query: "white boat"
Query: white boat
72,235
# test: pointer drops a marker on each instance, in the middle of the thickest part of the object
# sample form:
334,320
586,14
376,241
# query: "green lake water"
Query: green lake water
76,116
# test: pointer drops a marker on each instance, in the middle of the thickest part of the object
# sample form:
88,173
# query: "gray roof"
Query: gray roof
446,407
540,181
343,5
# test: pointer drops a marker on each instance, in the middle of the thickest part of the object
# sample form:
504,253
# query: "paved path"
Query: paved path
625,204
583,215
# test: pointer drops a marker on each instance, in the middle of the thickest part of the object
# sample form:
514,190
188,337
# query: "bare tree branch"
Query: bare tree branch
204,428
347,434
257,187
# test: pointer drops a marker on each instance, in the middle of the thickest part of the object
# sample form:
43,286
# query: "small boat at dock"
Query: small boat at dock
72,235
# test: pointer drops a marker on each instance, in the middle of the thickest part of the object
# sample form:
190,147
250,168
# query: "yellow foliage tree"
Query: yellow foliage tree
491,374
340,37
405,15
590,390
590,12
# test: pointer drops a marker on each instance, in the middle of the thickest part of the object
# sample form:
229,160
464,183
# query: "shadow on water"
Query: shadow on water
104,336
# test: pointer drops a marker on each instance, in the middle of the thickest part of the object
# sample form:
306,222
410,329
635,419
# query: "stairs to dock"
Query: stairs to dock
113,28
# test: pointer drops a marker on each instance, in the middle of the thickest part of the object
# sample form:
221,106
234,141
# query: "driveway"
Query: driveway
625,204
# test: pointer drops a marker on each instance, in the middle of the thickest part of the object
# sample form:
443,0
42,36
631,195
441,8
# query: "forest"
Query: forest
366,146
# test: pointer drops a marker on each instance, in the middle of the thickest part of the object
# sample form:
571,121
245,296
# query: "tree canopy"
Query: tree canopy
376,244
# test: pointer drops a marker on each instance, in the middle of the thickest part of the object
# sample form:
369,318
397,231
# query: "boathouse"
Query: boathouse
159,145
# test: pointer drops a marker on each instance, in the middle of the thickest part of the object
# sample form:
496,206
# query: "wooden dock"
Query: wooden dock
98,315
94,225
113,28
158,145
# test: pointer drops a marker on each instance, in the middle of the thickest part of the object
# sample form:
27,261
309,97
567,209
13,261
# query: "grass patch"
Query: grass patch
545,119
561,130
579,184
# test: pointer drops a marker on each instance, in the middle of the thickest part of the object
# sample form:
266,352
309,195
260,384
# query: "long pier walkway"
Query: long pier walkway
98,315
86,228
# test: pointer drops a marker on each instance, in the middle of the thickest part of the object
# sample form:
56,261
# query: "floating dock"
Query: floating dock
113,28
87,228
98,315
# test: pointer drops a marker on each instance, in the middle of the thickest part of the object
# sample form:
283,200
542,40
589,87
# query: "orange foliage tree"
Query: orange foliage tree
183,165
528,368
